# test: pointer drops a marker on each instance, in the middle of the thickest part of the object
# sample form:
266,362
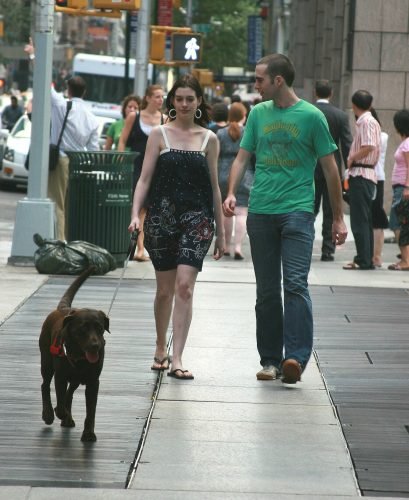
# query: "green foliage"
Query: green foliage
226,43
17,21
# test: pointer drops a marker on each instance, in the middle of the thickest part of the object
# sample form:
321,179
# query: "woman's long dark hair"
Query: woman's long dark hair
189,81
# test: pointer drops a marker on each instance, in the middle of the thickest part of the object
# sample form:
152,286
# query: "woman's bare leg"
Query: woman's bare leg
165,290
182,312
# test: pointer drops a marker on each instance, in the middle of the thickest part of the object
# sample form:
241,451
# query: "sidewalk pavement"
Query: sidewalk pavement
226,435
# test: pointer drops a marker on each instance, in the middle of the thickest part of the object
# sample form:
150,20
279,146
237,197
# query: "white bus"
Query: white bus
104,76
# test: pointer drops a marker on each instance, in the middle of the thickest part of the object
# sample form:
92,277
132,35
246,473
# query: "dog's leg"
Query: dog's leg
60,383
68,421
91,398
47,372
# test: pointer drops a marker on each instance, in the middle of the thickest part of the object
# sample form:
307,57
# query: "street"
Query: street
8,204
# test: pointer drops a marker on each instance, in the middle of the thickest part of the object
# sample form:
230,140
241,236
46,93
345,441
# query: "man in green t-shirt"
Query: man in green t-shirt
287,135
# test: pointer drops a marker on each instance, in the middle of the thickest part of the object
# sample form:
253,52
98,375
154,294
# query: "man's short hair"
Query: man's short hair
76,86
362,100
323,89
219,112
279,65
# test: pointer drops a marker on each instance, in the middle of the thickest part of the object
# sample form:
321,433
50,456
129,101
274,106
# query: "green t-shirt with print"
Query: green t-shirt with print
287,143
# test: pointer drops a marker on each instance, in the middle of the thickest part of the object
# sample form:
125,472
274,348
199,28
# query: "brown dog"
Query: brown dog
72,350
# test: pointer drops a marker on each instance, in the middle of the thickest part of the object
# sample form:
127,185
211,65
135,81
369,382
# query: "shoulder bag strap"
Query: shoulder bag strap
69,106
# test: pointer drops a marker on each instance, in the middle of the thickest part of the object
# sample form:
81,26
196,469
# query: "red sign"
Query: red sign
165,12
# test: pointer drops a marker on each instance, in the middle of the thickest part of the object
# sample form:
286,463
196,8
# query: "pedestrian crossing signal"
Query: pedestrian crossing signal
186,47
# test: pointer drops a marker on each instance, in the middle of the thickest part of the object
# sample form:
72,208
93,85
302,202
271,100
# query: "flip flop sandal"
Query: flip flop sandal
397,267
160,362
351,267
181,375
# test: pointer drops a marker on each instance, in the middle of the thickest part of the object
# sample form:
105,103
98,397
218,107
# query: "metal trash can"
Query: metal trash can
100,199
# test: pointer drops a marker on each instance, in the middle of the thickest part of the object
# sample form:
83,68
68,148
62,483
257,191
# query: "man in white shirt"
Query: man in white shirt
80,134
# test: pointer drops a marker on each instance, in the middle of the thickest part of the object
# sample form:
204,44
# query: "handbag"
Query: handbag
54,150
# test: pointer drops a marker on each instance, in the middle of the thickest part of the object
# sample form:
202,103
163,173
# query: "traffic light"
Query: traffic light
117,5
158,42
72,4
186,47
204,76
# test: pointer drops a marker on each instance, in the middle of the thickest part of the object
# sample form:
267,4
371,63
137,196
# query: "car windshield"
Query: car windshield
22,129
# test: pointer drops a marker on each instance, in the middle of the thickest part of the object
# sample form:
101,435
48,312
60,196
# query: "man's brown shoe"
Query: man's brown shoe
291,370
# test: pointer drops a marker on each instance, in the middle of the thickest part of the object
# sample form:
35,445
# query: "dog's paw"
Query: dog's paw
68,421
61,414
48,416
88,437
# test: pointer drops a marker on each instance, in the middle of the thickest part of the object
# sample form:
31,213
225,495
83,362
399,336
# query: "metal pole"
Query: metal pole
189,13
142,47
35,213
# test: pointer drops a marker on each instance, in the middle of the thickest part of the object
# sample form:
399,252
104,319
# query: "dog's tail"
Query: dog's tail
65,303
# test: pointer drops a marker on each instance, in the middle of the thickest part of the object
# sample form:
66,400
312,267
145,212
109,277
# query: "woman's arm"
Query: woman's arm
148,168
129,121
406,189
212,156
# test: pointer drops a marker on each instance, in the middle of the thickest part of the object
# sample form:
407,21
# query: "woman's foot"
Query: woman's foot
141,258
160,364
181,374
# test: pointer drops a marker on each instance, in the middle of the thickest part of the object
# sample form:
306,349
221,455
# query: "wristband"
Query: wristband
31,56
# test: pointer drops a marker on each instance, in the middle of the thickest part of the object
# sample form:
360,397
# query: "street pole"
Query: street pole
189,13
35,213
142,48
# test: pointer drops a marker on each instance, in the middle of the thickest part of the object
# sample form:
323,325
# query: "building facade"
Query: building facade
357,44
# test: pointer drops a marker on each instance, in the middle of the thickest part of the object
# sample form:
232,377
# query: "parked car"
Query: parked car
17,144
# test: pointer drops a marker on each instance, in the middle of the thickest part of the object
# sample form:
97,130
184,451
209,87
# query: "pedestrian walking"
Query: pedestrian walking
130,104
338,123
287,135
134,136
11,113
379,218
180,173
399,219
363,156
229,140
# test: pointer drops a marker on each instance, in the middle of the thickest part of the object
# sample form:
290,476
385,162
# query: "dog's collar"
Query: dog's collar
57,348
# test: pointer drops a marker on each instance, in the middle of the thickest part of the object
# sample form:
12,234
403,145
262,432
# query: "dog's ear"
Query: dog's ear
67,319
105,320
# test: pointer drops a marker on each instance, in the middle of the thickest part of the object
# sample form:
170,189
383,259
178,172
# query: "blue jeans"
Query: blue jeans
282,241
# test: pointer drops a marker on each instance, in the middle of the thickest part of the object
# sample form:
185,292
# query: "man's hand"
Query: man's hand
339,232
229,205
29,47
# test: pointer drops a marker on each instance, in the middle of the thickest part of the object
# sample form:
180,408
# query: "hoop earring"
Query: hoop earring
198,114
172,113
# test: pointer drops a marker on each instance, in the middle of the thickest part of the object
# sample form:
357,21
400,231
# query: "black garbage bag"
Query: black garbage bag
59,257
